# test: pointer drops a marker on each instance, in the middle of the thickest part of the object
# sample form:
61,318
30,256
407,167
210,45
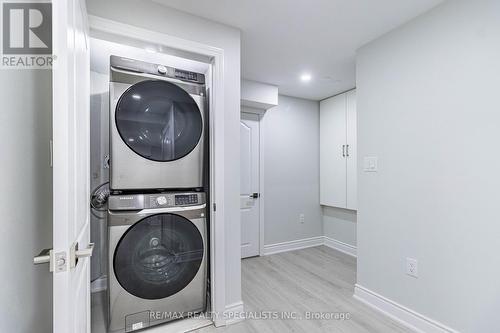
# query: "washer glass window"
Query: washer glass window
158,120
158,256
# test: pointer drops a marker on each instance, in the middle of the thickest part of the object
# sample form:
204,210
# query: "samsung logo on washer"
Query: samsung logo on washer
27,35
126,198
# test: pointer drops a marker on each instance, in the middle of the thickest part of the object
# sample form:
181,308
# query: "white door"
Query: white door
249,184
351,149
70,123
333,151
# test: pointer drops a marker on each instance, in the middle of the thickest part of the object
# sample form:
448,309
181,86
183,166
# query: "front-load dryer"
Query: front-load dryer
157,258
157,126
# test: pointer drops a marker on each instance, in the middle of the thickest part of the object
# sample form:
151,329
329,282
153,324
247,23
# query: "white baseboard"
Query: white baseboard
340,246
310,242
400,313
100,284
234,313
293,245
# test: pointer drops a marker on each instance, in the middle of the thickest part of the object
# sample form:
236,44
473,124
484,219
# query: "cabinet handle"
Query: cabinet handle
347,150
343,150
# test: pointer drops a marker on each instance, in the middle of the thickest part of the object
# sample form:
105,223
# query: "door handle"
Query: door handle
254,195
347,150
343,150
75,253
43,257
56,261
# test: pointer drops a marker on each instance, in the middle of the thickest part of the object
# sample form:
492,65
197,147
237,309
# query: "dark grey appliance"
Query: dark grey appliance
157,258
157,126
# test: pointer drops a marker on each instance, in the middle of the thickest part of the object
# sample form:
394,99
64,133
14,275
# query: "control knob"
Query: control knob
161,200
162,69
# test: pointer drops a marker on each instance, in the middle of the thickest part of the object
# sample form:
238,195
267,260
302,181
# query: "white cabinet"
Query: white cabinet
338,151
333,134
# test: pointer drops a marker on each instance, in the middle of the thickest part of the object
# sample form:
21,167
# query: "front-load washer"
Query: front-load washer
157,258
157,126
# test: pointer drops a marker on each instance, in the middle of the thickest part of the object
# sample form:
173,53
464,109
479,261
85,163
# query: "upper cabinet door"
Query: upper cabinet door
352,148
333,151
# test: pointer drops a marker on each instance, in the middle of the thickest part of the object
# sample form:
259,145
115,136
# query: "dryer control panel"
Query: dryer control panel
155,200
138,66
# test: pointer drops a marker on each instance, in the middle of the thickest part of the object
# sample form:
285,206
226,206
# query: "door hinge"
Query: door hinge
215,207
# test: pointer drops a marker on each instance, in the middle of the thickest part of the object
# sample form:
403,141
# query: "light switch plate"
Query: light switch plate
370,164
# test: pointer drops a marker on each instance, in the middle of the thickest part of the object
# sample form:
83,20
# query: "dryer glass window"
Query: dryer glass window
158,120
158,256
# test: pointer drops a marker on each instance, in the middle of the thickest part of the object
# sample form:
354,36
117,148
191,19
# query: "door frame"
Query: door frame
99,27
260,113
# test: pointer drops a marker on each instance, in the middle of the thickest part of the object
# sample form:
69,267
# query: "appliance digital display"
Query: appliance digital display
186,75
186,199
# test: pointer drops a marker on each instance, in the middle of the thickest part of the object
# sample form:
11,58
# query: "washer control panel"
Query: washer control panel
160,200
186,199
155,200
175,199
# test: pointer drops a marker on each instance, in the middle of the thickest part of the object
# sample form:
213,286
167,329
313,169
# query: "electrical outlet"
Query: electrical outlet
302,218
412,267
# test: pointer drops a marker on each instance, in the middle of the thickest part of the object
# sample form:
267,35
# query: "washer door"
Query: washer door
158,120
158,256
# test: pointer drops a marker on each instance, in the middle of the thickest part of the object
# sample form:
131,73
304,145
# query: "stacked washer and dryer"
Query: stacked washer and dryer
157,208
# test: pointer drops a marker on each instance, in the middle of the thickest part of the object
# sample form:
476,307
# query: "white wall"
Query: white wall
25,200
291,170
429,108
152,16
339,224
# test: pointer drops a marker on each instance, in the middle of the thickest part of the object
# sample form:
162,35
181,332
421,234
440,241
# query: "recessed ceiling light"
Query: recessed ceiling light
306,77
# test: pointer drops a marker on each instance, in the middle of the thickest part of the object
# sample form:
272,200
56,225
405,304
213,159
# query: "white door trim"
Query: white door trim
217,222
261,184
260,113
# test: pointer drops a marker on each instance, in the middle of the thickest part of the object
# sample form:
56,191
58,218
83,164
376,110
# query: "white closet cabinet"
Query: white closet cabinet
338,151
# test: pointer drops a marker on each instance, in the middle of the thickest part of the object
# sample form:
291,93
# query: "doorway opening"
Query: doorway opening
252,181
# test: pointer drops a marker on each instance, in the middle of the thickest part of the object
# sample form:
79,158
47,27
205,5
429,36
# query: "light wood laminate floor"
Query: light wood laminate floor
317,280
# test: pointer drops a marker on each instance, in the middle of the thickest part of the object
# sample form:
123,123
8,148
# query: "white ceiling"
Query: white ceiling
281,39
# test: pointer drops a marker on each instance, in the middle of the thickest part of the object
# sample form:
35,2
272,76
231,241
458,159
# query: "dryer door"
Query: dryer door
158,256
158,120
